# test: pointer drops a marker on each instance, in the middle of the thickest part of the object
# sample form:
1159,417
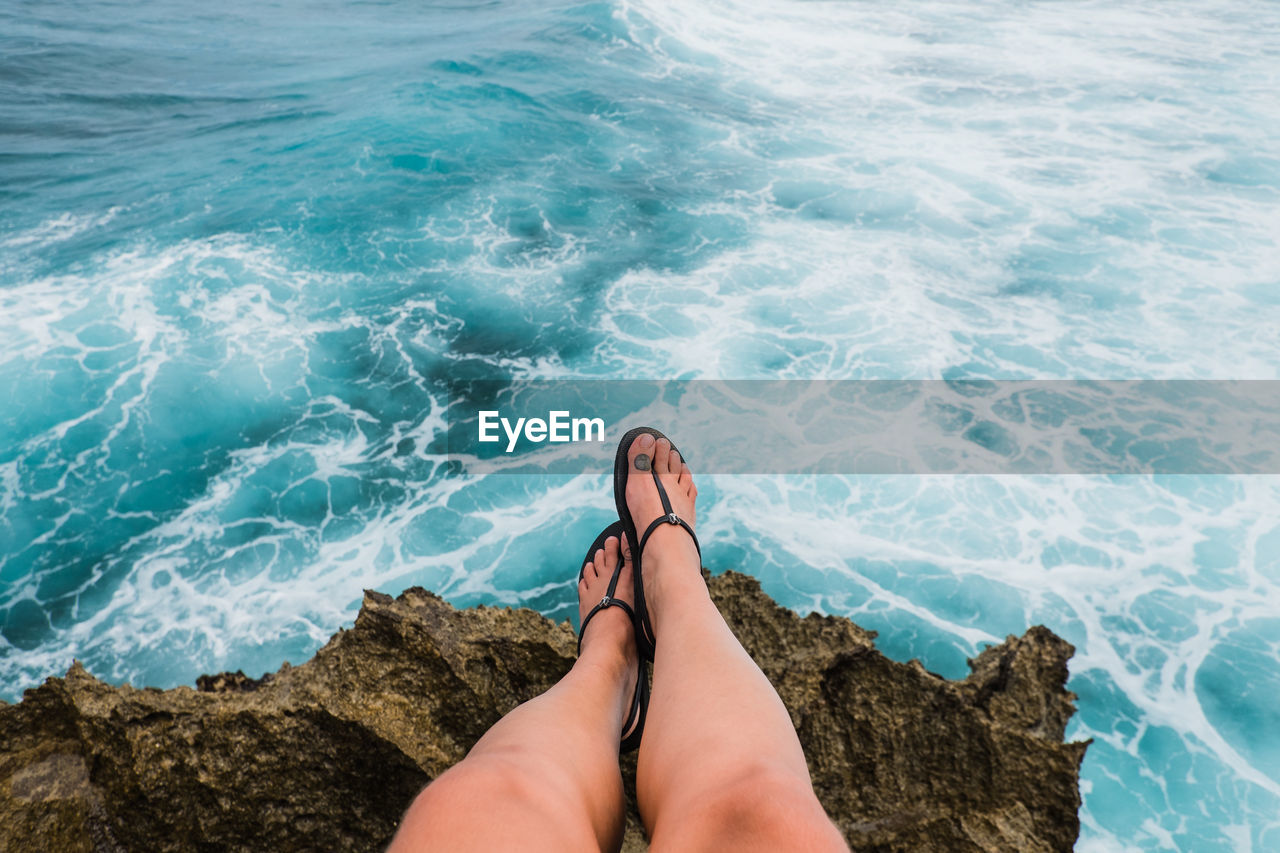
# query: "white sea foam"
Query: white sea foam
59,228
994,144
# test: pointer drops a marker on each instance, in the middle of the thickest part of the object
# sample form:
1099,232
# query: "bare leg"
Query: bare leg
720,767
546,776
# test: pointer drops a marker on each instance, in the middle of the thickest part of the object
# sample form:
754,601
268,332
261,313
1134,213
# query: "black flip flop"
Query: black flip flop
633,726
645,639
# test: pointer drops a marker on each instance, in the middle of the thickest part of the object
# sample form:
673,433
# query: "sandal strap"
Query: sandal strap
662,493
668,518
607,601
633,725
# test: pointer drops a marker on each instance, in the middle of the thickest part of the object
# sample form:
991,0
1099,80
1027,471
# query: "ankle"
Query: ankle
671,546
614,656
673,584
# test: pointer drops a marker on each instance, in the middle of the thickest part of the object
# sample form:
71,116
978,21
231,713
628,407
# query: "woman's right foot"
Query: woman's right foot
609,638
669,553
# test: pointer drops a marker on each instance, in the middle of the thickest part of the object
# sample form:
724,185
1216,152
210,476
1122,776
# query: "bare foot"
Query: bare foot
670,553
609,641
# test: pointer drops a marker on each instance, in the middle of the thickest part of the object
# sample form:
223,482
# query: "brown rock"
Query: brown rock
327,755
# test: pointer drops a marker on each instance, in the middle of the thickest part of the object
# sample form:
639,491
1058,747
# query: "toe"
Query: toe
610,557
662,456
598,563
640,454
686,480
674,462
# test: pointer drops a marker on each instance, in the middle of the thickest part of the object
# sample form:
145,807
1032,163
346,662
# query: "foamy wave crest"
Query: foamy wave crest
173,454
999,192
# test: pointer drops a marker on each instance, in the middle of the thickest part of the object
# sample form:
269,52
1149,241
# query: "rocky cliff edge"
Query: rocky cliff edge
327,755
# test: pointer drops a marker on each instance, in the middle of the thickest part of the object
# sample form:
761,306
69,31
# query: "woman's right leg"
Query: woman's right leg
720,767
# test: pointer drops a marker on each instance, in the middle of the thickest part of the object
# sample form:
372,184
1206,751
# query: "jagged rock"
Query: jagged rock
327,755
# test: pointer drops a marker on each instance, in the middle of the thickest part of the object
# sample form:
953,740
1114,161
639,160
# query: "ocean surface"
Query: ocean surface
244,246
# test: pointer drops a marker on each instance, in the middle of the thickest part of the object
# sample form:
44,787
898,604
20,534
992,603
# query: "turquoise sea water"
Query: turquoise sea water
244,245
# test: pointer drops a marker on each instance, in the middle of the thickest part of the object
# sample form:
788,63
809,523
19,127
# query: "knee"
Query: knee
491,802
453,806
763,801
759,792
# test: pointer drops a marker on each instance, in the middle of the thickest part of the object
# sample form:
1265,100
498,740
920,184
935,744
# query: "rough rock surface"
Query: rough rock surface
326,755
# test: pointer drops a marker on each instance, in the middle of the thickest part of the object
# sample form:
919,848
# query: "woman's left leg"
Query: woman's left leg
545,776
